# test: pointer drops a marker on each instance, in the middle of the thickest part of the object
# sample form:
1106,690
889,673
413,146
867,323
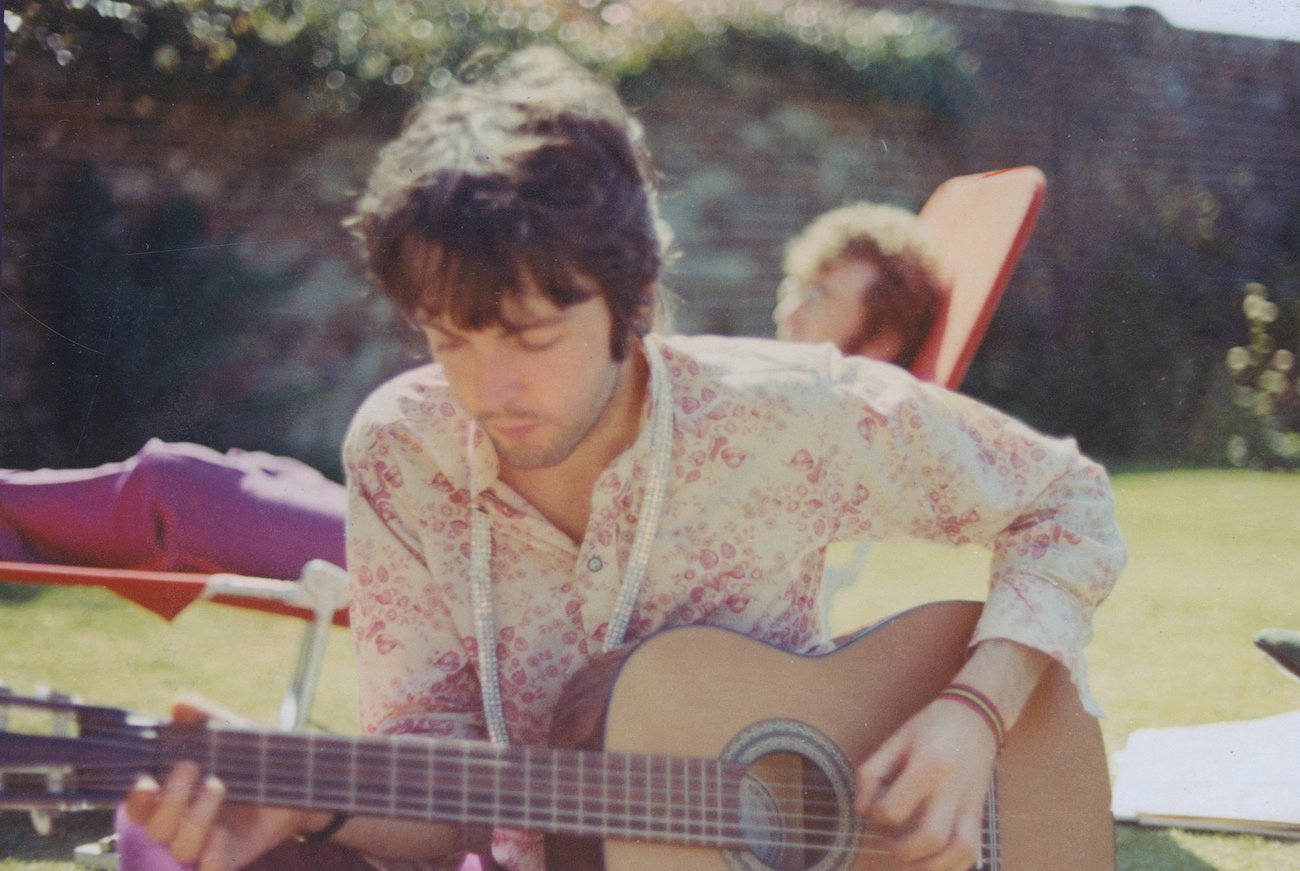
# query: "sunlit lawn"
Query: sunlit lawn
1215,556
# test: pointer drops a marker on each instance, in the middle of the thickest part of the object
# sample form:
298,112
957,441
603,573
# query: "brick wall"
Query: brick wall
1098,99
1114,105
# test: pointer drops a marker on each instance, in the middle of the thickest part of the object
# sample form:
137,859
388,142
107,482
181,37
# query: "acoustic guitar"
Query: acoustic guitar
695,749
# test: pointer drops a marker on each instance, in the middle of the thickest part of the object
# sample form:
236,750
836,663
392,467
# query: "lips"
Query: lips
514,430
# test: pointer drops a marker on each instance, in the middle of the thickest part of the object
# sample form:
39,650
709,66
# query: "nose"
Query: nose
499,378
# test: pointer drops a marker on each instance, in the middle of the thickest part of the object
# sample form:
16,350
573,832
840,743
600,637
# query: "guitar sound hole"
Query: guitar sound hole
789,812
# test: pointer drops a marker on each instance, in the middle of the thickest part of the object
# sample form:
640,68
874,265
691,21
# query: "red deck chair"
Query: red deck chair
981,223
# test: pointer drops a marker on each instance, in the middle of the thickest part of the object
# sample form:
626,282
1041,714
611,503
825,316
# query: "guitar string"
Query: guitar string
234,777
658,789
787,837
818,843
745,843
476,754
665,784
814,841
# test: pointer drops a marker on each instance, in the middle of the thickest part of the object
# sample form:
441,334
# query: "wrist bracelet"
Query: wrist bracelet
980,704
336,822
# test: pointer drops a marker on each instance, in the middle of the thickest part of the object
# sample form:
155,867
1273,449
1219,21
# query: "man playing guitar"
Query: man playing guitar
563,480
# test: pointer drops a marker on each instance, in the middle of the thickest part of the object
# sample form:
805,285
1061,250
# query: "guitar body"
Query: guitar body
705,692
697,750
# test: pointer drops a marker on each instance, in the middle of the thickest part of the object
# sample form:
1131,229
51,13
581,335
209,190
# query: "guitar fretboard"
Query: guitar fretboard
663,799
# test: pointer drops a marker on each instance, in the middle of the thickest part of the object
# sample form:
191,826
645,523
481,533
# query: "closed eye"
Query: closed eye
537,340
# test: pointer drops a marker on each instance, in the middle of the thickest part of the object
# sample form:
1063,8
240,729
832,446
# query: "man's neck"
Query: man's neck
562,493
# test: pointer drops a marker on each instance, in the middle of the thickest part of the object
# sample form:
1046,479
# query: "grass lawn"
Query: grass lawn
1215,556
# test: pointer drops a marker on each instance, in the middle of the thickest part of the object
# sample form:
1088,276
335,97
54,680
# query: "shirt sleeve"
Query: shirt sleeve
940,466
419,675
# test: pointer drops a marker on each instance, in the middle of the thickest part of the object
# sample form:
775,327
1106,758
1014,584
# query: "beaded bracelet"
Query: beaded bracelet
980,704
331,828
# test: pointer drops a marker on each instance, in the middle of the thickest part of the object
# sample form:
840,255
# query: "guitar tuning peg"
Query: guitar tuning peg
61,725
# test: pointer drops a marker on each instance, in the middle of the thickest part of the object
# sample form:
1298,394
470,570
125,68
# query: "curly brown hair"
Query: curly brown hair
528,168
909,294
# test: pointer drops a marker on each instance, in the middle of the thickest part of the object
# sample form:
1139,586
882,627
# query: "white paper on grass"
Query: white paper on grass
1233,776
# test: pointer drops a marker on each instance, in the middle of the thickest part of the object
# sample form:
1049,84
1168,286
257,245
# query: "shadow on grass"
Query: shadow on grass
19,594
18,840
1142,849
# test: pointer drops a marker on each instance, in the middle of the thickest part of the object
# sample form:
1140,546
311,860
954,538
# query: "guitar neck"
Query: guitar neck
679,800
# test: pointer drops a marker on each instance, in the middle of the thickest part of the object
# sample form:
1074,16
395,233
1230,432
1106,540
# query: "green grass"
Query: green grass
1215,556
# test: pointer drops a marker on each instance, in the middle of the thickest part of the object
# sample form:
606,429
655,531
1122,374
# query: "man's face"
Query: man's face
833,308
538,386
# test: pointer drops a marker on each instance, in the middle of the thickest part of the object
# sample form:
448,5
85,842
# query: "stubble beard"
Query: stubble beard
527,457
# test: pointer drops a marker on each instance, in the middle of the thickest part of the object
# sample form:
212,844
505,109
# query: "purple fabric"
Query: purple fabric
176,506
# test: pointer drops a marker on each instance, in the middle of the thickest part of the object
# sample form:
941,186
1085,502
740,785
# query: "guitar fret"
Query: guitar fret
330,776
429,754
694,825
604,796
662,799
582,790
261,769
719,805
309,778
464,785
353,748
690,771
280,769
674,807
646,805
617,800
496,792
555,798
528,783
627,786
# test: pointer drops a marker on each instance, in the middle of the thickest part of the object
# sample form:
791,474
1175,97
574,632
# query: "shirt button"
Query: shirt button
595,564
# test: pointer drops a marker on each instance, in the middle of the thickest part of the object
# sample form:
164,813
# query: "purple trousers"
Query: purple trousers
176,506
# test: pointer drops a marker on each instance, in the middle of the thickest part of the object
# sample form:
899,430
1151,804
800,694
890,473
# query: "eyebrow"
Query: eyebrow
510,329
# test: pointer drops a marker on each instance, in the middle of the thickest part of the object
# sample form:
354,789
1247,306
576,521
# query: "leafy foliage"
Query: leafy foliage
1129,361
339,52
1267,386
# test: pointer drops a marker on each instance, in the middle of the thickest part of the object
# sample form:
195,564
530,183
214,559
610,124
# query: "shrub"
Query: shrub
338,52
1266,386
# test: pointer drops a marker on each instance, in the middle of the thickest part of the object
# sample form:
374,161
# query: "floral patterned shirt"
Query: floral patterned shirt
778,450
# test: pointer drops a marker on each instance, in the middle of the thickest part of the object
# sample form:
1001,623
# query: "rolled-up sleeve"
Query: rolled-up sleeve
947,468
